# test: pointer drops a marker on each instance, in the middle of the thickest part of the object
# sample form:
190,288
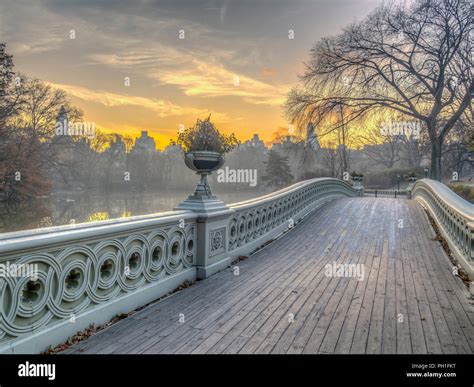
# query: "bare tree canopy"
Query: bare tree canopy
40,105
413,60
9,99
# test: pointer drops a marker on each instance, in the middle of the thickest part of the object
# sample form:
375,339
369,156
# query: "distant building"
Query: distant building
61,137
144,144
312,137
173,149
283,145
62,120
255,142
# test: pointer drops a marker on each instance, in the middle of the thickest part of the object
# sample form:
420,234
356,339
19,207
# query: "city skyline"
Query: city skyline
236,61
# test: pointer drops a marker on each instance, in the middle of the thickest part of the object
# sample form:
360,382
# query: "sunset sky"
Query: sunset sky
236,60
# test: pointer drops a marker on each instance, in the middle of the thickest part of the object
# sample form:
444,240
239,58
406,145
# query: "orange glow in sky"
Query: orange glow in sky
162,65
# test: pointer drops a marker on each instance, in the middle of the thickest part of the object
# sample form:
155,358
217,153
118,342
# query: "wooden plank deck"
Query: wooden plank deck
283,302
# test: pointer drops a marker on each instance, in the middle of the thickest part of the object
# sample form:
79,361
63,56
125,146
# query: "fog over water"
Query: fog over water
78,207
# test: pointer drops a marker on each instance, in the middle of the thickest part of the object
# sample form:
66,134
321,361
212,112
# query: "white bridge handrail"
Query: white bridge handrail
68,277
288,190
48,236
256,221
453,215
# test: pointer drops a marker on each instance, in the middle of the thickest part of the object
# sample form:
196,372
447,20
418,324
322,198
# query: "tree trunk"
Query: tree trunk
435,171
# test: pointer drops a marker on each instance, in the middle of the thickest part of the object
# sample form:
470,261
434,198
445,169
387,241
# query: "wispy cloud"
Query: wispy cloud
162,108
139,58
196,77
41,45
214,80
227,43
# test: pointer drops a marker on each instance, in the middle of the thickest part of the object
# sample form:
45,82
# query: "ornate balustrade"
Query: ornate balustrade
258,220
455,218
83,274
88,273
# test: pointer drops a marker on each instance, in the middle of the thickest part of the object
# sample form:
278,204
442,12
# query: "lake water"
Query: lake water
78,207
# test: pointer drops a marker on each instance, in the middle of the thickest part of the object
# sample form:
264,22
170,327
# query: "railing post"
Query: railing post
212,235
212,219
357,184
213,242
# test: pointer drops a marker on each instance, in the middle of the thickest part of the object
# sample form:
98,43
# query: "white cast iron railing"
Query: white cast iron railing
258,220
454,216
87,273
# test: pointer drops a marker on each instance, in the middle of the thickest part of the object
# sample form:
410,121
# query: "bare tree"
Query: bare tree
414,60
413,149
457,156
329,159
86,156
9,97
40,105
300,152
343,140
21,154
382,148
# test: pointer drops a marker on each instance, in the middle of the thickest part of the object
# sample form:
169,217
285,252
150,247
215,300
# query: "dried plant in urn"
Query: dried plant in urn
204,148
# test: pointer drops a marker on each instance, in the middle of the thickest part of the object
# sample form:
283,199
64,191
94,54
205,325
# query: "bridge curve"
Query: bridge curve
289,297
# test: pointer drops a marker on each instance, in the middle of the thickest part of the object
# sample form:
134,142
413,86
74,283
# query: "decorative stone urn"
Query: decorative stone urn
203,163
411,182
357,182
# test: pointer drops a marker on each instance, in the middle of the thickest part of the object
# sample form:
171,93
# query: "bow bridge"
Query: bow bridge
318,267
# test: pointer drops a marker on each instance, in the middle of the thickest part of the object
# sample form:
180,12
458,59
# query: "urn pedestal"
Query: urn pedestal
203,201
357,182
213,215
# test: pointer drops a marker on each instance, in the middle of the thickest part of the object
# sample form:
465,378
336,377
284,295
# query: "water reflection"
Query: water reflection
72,207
